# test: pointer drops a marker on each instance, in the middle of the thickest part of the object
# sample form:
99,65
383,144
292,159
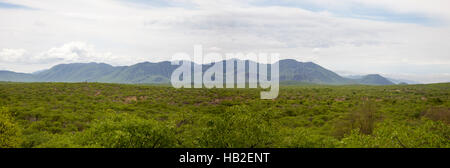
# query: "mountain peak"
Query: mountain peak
374,76
374,79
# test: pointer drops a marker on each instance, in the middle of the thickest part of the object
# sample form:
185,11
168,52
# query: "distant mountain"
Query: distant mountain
308,72
77,72
10,76
147,72
37,72
353,76
374,79
398,81
394,81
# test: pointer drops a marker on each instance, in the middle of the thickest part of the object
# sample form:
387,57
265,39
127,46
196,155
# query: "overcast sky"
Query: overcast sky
406,39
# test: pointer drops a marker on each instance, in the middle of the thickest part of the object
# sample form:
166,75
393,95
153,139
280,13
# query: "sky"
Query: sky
403,39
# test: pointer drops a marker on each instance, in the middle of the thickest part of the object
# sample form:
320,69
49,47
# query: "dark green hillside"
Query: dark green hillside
291,70
145,72
374,79
78,72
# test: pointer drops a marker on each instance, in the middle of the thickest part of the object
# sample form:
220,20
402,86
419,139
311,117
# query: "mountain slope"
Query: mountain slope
291,70
10,76
374,79
77,72
146,72
398,81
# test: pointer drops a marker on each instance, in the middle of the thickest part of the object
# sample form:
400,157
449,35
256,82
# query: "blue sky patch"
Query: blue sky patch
12,6
159,3
356,10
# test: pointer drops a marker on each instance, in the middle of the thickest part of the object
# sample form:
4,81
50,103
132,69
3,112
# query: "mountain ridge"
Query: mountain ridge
160,72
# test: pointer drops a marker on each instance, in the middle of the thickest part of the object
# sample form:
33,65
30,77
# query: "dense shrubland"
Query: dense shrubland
9,131
138,116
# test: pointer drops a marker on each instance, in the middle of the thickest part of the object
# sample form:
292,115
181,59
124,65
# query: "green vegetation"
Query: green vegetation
9,131
307,116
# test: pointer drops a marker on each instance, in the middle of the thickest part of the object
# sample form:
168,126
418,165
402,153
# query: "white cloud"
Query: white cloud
68,53
431,8
8,55
425,78
73,52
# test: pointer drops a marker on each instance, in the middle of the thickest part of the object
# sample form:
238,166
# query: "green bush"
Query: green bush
304,138
127,131
363,118
10,133
390,134
61,141
35,139
239,127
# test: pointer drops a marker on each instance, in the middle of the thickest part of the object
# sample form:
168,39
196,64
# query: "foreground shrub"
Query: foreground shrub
305,138
239,127
438,114
127,131
363,118
9,131
61,141
389,134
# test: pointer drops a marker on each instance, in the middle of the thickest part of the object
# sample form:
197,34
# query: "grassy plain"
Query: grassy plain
309,116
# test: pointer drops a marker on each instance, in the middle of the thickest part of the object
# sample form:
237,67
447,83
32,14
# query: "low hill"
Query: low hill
9,76
374,79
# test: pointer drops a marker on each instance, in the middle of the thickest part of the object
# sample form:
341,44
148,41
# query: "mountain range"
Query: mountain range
395,81
147,72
